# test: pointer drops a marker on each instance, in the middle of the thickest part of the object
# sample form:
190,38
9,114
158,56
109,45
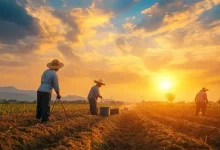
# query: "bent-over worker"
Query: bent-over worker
94,95
201,101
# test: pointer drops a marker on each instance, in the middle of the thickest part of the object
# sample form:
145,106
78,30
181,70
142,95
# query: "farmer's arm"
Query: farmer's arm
98,94
196,98
56,86
206,98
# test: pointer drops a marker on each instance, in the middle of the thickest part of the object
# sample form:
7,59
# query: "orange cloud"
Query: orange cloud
183,41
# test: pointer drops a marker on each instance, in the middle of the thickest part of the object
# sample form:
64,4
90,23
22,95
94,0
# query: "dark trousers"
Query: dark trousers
200,106
43,105
93,106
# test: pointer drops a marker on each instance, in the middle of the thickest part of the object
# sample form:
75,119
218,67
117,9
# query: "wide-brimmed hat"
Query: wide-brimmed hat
55,64
99,81
204,89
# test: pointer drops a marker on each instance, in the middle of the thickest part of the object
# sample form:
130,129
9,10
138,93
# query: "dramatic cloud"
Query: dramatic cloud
15,23
67,51
134,45
205,65
19,49
211,17
122,45
6,63
157,62
176,27
113,40
70,20
197,67
119,77
115,6
153,17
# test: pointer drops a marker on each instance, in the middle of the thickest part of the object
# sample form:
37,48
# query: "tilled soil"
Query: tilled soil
137,129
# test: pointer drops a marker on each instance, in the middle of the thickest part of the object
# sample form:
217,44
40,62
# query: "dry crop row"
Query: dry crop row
139,129
208,133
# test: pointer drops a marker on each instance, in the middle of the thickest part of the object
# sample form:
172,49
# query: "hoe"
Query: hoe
58,100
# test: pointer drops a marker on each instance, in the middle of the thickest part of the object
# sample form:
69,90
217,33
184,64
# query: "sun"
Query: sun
164,82
166,85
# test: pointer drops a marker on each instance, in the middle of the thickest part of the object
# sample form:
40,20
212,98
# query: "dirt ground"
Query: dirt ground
146,126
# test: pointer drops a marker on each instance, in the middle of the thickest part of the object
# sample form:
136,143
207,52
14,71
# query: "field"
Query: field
143,126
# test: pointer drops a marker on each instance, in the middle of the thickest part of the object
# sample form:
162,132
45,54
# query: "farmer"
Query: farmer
94,95
201,101
49,81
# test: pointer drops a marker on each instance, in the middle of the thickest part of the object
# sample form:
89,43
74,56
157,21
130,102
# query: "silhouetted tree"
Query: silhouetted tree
170,97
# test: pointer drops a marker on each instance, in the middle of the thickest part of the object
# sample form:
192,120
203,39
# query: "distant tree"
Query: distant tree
180,102
218,101
170,97
3,101
12,101
23,102
34,102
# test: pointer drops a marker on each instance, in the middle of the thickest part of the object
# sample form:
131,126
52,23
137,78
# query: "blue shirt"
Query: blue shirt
49,80
94,92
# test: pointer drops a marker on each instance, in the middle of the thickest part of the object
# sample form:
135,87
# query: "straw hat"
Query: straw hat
99,81
204,89
55,64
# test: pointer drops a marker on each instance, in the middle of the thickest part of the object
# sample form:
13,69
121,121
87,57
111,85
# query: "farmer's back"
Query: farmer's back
201,97
49,80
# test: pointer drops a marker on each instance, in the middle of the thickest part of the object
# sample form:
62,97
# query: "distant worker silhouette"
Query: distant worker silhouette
94,95
201,101
49,81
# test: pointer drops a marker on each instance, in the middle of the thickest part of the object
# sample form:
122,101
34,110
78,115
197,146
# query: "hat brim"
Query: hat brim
99,82
50,66
205,89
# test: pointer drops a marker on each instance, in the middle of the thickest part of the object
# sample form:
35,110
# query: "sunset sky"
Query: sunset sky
138,47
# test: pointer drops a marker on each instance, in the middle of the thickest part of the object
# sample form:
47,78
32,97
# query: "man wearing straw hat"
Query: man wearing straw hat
94,95
49,81
201,101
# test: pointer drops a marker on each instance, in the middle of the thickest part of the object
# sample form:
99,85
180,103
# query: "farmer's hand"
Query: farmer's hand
58,94
58,97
